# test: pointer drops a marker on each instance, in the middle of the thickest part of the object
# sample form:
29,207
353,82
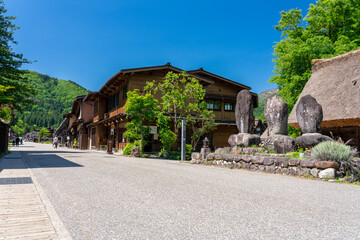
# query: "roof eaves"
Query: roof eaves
201,70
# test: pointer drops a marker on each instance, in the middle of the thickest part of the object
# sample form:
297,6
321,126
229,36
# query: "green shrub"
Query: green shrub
333,151
188,149
128,147
293,155
167,138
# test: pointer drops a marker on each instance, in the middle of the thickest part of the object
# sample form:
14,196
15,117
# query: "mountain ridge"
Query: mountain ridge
53,99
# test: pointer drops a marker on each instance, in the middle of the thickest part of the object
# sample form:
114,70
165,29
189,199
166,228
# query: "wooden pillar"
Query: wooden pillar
358,137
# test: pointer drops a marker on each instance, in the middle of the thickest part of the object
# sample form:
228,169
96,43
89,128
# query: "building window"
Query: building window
112,102
96,105
125,92
213,105
229,106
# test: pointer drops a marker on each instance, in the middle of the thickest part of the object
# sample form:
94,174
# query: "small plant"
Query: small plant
254,146
116,149
128,147
266,147
333,151
188,149
163,153
75,142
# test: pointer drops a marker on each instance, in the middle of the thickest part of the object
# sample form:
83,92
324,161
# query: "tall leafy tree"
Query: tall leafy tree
14,88
140,109
182,97
44,133
330,28
202,125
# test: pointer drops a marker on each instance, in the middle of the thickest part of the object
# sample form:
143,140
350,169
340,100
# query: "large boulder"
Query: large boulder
328,173
327,164
281,143
309,114
276,115
244,111
204,151
236,150
311,139
135,152
224,150
244,140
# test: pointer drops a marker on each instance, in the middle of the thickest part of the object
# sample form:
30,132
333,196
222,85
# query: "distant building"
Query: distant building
259,127
73,130
335,84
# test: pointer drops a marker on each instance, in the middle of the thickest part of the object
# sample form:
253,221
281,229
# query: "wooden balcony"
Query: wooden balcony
116,111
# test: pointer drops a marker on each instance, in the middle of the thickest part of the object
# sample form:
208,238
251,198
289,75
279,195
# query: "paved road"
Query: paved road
98,196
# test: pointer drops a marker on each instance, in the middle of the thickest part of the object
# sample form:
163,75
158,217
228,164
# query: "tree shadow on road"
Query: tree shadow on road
38,159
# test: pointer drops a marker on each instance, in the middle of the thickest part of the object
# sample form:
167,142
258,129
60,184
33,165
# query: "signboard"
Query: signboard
153,129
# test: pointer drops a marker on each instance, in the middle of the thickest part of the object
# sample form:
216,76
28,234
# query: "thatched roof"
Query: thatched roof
335,84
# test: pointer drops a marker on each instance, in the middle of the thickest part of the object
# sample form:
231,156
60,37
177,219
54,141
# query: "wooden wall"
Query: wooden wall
346,133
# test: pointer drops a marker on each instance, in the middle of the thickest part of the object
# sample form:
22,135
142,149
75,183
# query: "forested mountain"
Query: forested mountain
259,111
53,99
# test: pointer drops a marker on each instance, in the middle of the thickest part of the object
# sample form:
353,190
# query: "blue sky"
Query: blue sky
87,41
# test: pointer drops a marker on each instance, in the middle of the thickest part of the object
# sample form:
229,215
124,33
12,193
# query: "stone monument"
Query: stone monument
309,115
244,121
205,150
276,115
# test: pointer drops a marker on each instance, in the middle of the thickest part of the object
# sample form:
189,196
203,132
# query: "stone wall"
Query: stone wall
271,163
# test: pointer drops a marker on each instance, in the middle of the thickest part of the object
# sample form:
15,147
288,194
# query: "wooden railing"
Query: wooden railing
116,111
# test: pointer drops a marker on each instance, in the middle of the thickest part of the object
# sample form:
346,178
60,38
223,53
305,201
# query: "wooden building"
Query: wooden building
75,125
5,129
335,84
110,119
4,136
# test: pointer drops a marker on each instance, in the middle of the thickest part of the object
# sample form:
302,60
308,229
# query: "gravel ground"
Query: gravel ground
101,196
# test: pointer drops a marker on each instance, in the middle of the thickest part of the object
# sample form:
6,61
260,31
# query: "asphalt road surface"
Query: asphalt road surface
101,196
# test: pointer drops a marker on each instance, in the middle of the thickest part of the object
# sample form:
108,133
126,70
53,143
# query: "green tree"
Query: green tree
167,137
202,125
330,28
140,109
14,88
182,98
44,132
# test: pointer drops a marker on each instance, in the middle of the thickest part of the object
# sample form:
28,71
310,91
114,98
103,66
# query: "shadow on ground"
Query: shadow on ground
38,159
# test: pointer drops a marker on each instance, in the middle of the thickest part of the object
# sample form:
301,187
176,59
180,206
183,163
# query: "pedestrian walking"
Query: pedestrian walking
17,140
55,142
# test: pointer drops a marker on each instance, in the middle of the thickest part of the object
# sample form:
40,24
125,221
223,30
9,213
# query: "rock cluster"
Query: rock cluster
272,163
309,116
244,121
276,115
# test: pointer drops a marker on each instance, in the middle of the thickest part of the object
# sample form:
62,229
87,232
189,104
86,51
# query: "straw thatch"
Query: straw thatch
335,84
